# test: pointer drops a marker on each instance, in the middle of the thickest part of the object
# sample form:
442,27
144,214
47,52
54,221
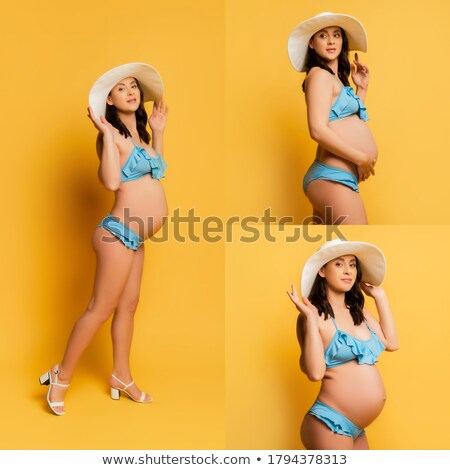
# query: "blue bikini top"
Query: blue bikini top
344,348
141,163
348,103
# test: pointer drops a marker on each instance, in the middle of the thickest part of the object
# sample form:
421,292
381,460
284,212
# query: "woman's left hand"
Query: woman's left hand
158,118
371,290
360,73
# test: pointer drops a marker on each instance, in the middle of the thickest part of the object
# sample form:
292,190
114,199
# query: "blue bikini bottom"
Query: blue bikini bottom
336,421
127,236
320,171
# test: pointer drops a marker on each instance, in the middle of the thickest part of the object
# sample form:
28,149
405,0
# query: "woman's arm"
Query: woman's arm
312,361
385,328
107,151
319,96
157,122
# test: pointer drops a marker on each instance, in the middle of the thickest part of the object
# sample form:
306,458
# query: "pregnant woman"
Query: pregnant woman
341,341
132,168
346,152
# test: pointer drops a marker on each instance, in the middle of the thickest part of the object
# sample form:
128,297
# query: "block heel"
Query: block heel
44,379
115,393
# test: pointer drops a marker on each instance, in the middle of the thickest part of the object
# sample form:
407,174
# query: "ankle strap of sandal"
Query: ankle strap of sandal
122,383
56,372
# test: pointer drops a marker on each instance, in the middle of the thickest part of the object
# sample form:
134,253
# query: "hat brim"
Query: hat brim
300,36
371,260
148,77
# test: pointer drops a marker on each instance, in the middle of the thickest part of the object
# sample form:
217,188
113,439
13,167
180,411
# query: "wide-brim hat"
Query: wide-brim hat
148,77
371,260
300,36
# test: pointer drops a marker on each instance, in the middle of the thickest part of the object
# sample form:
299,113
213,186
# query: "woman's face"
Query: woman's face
327,43
125,96
340,273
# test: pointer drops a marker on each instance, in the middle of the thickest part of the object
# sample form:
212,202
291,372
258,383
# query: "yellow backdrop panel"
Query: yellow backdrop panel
266,112
52,52
268,395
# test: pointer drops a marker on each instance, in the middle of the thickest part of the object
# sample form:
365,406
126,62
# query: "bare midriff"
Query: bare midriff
141,205
355,390
355,133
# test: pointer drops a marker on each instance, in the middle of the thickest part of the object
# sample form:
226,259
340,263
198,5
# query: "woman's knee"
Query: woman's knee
128,305
101,311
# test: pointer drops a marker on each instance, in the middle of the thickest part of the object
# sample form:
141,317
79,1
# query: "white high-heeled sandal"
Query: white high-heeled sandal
46,379
115,392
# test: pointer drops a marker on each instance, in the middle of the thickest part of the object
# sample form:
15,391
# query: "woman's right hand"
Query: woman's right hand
366,169
101,124
306,307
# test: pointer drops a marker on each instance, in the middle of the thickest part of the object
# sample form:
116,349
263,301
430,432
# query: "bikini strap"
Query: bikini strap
368,327
132,141
334,321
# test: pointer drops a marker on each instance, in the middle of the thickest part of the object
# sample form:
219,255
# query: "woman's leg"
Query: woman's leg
361,443
123,324
114,263
316,435
336,203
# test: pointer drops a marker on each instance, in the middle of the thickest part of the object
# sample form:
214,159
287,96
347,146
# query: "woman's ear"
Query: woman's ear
321,272
310,44
109,100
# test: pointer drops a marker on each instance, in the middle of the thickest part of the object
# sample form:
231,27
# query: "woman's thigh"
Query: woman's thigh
129,298
316,435
361,443
344,205
114,263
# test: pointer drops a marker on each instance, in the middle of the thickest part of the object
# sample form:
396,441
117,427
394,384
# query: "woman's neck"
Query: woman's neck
336,299
334,66
128,120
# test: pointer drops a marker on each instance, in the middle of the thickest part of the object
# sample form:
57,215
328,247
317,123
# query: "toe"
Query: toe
148,398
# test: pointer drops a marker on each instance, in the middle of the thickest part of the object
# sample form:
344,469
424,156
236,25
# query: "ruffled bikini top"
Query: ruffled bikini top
344,348
141,163
348,103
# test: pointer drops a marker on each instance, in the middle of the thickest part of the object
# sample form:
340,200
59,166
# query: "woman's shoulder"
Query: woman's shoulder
117,138
301,324
320,77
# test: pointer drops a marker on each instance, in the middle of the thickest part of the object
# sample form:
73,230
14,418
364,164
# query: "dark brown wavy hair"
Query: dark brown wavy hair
354,298
141,119
314,60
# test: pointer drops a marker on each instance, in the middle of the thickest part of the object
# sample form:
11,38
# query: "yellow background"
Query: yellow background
234,143
269,142
268,395
52,52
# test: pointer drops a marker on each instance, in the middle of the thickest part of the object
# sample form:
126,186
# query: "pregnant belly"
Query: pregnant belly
141,205
353,132
356,391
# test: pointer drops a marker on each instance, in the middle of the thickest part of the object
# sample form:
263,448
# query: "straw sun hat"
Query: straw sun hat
300,36
148,77
371,260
